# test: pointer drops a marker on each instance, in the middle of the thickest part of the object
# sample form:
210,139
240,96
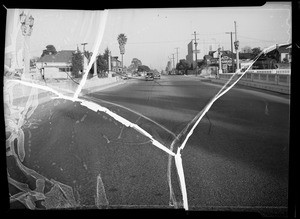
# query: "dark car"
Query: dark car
156,76
149,76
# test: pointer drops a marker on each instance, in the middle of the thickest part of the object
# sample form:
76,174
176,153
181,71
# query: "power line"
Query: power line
257,39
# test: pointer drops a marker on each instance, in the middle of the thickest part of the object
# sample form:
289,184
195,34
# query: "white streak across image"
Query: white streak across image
92,136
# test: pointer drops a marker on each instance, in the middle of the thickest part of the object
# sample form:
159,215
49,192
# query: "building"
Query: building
285,53
116,65
191,56
58,66
277,58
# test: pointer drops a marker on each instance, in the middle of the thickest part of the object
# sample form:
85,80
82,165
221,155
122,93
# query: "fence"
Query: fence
265,79
271,71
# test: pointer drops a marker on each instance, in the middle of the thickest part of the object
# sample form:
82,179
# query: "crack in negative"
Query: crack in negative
97,107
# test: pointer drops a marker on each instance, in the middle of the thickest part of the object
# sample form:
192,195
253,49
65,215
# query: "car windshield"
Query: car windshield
85,129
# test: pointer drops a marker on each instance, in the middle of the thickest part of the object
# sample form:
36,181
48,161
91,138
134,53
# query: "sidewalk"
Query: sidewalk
22,92
255,85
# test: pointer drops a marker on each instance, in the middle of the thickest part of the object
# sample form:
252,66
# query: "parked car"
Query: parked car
149,76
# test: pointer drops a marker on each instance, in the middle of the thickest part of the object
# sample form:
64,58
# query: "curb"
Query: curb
99,88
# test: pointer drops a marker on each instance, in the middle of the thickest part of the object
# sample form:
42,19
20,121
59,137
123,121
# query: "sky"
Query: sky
153,34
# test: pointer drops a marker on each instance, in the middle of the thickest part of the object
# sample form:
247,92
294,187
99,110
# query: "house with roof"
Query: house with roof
116,65
285,53
277,58
58,66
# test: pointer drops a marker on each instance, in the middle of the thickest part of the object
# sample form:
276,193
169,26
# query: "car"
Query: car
149,76
156,75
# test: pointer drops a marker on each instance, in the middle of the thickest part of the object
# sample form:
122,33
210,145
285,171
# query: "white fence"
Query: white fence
264,79
271,71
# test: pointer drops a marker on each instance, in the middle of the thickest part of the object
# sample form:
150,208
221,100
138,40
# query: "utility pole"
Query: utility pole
236,47
173,59
169,64
109,61
95,66
196,49
232,62
220,62
84,58
177,54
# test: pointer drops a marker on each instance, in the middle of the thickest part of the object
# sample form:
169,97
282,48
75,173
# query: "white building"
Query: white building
56,66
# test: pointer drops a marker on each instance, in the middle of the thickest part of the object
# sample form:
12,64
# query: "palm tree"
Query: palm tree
122,39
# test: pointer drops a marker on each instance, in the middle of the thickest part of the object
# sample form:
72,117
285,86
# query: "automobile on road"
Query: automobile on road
149,76
156,76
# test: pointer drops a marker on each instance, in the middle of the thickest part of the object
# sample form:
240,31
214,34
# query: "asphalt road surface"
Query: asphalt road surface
236,159
238,155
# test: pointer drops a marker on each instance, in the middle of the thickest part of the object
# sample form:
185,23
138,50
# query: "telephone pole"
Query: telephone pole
236,47
84,58
232,63
173,59
177,54
195,34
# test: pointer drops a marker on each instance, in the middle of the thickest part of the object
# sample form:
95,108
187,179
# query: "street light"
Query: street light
26,24
26,28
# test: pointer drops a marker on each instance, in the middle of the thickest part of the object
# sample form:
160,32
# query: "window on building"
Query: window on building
65,69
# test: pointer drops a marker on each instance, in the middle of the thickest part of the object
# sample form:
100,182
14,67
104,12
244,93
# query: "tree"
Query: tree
201,64
183,65
246,49
122,40
50,50
135,63
142,68
102,64
33,61
256,51
106,54
169,66
77,64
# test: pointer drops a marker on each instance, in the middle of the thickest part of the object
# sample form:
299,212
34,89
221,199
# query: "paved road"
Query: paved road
237,157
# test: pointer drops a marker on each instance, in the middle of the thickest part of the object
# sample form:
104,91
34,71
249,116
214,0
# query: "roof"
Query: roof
115,58
285,48
64,56
207,57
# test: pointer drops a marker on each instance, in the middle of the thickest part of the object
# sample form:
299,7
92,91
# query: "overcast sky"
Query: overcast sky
153,34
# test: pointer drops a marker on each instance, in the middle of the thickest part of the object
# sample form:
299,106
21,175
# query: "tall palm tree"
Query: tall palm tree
122,39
